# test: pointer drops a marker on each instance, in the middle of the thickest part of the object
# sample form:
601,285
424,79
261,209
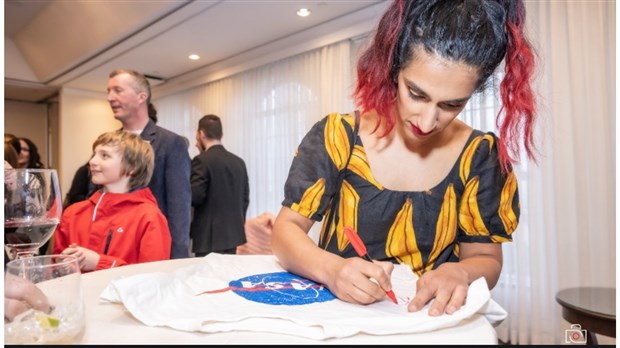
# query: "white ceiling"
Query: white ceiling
53,44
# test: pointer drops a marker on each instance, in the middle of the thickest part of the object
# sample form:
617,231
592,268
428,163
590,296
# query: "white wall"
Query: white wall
28,120
83,117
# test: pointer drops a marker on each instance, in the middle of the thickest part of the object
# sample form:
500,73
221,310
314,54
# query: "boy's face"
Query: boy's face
105,167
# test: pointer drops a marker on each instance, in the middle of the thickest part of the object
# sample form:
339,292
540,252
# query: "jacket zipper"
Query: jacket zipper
107,242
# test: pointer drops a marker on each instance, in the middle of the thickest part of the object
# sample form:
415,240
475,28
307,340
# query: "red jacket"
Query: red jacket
124,228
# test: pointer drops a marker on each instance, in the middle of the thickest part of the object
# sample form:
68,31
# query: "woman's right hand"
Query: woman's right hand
356,280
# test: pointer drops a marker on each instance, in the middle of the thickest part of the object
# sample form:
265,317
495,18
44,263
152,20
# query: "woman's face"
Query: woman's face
432,91
24,154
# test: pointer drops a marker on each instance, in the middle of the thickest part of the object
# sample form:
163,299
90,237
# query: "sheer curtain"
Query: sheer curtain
566,235
265,113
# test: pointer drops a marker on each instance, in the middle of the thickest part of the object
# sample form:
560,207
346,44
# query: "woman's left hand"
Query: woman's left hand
448,285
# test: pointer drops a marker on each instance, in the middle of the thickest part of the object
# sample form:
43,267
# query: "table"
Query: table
108,323
594,308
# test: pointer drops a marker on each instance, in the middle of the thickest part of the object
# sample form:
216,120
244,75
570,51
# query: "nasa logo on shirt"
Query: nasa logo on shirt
280,288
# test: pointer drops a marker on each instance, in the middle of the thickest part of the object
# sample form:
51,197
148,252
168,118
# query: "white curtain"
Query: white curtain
265,113
566,235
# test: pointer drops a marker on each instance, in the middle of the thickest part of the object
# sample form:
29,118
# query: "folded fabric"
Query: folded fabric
253,293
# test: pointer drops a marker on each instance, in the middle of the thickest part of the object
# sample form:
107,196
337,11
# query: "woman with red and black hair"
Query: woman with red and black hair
419,186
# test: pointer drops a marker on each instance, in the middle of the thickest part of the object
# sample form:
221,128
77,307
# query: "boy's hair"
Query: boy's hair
138,159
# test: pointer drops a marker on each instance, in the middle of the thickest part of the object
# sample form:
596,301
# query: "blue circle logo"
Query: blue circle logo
281,288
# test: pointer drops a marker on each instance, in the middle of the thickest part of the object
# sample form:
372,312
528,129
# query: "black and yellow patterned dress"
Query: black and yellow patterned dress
423,229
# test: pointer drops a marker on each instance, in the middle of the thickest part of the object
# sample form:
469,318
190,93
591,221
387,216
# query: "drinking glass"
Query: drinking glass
59,278
32,209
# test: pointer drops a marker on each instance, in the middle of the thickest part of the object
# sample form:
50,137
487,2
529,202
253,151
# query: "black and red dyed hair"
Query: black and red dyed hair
479,33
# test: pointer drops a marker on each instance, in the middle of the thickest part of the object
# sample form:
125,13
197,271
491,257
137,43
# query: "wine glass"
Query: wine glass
32,210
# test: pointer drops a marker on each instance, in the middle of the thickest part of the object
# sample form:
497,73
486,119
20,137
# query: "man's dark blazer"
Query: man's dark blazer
170,184
220,196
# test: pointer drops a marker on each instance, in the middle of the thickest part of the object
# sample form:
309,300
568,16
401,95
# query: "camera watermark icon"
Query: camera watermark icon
575,334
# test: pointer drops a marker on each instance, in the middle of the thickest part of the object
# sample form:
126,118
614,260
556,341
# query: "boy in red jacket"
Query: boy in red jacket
121,223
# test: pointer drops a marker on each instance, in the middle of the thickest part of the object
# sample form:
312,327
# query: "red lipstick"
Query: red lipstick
419,132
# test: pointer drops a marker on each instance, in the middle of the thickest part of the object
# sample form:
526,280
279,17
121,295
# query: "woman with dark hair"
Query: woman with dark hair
419,186
29,155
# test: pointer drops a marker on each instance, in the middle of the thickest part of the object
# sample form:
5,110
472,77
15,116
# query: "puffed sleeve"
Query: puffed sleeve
321,155
489,207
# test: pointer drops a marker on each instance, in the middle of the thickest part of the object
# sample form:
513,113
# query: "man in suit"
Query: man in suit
129,95
220,193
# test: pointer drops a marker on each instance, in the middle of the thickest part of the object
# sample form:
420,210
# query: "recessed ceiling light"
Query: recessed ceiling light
194,57
303,12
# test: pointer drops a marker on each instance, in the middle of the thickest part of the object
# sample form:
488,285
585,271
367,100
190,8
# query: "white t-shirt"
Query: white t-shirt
254,293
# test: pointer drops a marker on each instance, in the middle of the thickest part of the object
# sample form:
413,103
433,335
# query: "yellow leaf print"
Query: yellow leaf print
506,213
499,239
468,155
350,119
326,234
445,233
311,199
359,165
347,212
401,243
336,140
470,219
347,216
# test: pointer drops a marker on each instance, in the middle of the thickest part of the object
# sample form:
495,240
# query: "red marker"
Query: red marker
360,249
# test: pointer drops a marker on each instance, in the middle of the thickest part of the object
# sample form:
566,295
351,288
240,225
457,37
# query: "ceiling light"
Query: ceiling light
303,12
194,57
